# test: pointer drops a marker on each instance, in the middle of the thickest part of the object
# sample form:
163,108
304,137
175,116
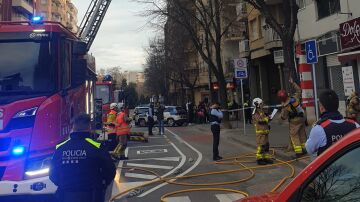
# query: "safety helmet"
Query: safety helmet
257,102
113,106
282,95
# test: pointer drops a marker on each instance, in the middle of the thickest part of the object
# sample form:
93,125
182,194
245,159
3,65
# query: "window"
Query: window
327,7
254,29
338,182
65,64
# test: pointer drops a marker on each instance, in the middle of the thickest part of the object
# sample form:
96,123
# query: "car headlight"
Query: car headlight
26,113
37,167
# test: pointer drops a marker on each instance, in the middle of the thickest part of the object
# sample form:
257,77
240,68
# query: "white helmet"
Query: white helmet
257,102
113,106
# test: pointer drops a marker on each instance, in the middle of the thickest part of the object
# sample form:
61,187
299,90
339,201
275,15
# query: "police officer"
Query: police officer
216,116
262,130
331,126
80,168
353,107
293,111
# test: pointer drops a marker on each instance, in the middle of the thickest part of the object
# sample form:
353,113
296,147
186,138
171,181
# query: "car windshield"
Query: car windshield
103,92
142,110
27,68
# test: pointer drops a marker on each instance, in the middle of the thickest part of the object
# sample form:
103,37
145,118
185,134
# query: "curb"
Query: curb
278,152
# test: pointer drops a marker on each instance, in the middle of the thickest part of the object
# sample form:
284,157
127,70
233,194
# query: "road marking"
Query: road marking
141,176
148,166
229,197
126,151
178,199
182,162
175,159
152,151
197,162
160,145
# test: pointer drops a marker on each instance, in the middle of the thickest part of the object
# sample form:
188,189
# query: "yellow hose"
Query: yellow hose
225,161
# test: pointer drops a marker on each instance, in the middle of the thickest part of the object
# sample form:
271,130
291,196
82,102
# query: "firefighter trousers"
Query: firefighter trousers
263,146
298,135
119,150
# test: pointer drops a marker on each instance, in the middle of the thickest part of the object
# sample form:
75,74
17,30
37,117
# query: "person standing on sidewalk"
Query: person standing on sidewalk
160,118
150,118
216,116
262,130
331,127
293,111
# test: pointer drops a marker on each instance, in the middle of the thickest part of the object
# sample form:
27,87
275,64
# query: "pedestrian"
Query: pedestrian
190,111
80,168
353,107
160,118
216,116
331,127
150,118
122,132
110,126
262,130
294,113
248,114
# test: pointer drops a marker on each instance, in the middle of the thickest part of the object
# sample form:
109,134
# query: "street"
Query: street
184,151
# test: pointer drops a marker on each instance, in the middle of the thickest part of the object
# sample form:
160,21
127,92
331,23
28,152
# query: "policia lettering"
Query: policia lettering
293,111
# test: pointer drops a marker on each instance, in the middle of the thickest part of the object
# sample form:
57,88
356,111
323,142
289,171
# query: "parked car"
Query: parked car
140,116
333,176
175,115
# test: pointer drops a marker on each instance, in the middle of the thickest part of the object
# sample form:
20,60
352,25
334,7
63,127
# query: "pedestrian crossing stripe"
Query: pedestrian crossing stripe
149,166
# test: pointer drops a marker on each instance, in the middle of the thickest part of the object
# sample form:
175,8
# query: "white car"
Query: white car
175,115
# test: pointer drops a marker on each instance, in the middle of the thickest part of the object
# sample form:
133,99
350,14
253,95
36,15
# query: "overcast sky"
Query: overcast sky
121,38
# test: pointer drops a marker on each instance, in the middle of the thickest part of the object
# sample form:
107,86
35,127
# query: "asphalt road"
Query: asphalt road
183,151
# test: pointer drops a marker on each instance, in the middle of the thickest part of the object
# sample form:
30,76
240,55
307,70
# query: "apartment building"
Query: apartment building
334,24
62,11
16,10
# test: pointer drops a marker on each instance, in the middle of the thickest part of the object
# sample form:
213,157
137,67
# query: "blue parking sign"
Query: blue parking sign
311,52
241,73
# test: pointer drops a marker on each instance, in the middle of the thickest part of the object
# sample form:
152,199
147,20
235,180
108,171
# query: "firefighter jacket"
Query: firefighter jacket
353,108
122,127
81,165
261,122
111,121
292,109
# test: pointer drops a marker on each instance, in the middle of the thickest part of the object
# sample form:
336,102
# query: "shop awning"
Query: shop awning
345,57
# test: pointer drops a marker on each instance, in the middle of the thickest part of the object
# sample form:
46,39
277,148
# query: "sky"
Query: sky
122,37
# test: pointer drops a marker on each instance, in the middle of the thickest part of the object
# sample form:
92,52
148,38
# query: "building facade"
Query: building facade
16,10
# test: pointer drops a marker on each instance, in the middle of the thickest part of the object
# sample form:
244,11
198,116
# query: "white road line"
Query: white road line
197,162
116,184
126,151
160,145
140,176
175,159
229,197
182,162
148,166
178,199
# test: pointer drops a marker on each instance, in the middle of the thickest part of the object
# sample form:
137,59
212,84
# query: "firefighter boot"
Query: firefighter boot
261,162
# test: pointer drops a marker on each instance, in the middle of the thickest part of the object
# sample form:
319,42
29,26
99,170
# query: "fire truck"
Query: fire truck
45,80
104,90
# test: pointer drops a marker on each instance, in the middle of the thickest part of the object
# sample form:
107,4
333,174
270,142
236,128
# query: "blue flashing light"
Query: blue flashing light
37,20
18,150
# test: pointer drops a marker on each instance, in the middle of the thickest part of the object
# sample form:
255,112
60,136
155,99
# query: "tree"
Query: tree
286,31
117,76
131,95
206,25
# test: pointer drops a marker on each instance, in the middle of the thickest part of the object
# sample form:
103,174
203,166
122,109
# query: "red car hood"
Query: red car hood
268,197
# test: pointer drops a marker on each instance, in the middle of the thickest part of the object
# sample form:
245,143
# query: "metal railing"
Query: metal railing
270,35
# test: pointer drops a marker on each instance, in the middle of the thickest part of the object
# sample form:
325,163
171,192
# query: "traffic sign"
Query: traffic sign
241,73
311,52
240,63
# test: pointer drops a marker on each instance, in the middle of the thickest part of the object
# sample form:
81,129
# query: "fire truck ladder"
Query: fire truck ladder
92,20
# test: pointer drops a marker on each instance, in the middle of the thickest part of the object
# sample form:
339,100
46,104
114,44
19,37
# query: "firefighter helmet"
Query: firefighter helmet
113,106
257,102
282,95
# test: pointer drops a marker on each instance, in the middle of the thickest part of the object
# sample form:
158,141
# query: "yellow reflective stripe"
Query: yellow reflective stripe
262,131
266,120
96,144
61,144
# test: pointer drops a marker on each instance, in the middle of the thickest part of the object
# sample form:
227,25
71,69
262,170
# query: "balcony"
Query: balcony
244,48
241,12
22,6
235,32
271,39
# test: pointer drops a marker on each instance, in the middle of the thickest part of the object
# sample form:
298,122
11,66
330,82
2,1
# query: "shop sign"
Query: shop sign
350,33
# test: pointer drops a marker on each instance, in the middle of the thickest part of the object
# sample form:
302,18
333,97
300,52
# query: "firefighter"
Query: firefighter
122,132
353,107
331,126
110,125
262,130
80,168
293,111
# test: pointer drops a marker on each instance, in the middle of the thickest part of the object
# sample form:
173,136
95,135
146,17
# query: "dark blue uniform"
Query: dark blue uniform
81,169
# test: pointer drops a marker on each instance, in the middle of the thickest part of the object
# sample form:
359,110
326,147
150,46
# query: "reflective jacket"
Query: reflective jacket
261,122
81,169
122,128
111,121
292,109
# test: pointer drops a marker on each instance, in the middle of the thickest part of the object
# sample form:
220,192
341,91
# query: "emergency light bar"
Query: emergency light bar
37,20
